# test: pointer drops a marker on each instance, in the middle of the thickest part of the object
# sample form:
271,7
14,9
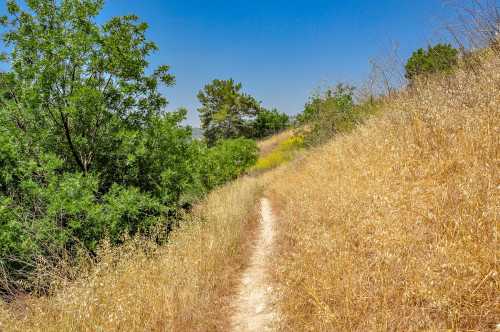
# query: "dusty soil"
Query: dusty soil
254,306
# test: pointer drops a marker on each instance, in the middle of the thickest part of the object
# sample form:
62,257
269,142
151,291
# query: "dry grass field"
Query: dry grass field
394,227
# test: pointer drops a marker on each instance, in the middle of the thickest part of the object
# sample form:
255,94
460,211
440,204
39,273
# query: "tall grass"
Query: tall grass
395,225
183,286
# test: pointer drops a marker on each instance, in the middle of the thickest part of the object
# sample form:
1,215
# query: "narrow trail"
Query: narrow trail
254,306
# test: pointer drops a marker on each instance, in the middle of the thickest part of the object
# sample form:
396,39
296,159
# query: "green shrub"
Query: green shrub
44,211
440,58
333,112
269,122
228,159
87,151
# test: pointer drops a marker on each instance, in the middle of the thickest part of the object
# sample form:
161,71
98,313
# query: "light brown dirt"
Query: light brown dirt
255,308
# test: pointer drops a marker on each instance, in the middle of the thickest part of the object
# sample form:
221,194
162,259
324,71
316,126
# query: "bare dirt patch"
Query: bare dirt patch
255,308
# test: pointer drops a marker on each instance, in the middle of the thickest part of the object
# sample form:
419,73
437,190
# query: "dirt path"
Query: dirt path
254,306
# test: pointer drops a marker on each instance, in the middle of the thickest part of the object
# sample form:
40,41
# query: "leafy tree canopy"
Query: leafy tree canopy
73,84
225,111
339,99
269,122
329,113
438,58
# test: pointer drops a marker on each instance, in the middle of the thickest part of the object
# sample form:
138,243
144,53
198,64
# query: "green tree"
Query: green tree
74,84
86,148
339,99
225,111
436,59
269,122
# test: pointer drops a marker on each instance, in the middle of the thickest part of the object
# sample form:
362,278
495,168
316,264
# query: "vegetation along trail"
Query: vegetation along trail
254,305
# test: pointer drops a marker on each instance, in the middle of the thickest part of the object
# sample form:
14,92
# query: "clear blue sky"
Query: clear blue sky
281,50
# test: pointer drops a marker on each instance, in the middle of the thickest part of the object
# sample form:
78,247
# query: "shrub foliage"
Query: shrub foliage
269,122
333,112
87,150
436,59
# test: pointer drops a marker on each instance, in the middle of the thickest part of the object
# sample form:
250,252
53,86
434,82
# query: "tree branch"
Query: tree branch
67,133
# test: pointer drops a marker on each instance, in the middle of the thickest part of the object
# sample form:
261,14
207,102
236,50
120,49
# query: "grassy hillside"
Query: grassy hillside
395,226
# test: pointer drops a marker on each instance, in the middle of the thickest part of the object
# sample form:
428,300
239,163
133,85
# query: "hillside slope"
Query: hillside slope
395,226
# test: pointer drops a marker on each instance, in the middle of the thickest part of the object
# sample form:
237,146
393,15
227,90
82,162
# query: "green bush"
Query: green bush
333,112
269,122
228,159
440,58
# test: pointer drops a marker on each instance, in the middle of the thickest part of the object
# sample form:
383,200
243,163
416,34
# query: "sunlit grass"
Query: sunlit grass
283,152
395,225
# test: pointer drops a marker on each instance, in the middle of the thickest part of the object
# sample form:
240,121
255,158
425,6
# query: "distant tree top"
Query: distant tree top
436,59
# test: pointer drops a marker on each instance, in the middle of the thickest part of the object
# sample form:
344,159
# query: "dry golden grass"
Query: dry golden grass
183,286
395,226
